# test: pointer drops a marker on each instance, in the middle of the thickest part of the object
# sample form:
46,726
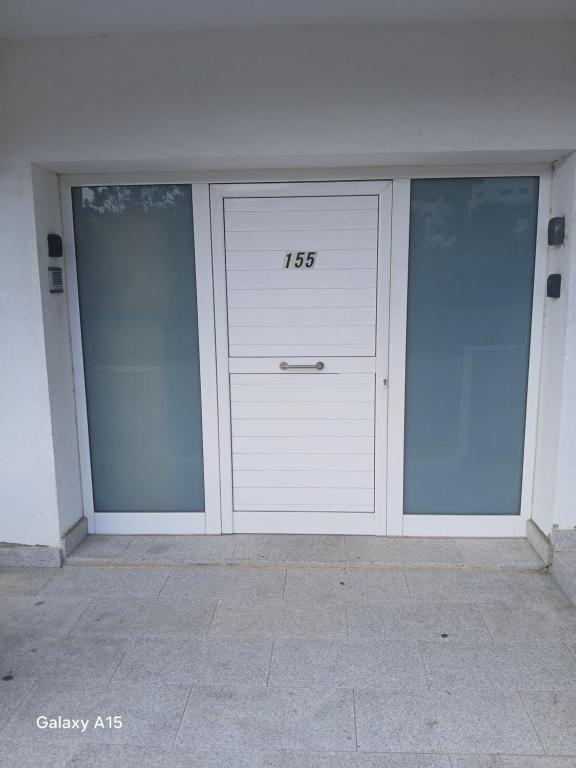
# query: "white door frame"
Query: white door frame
400,524
397,523
151,522
325,522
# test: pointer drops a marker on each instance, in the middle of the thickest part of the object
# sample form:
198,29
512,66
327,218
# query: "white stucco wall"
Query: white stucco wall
564,262
558,357
58,355
238,99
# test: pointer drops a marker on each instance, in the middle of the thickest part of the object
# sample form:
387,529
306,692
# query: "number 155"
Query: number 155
299,259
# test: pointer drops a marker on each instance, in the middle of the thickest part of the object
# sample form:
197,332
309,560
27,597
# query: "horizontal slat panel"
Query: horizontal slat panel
330,297
276,498
303,445
301,279
326,259
302,410
302,379
272,221
302,442
320,350
301,203
303,240
272,317
303,479
303,428
309,461
261,393
356,334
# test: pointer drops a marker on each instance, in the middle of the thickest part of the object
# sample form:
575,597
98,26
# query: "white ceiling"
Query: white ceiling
51,18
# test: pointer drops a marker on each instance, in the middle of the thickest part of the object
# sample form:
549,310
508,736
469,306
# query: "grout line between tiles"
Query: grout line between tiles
50,579
270,663
182,716
207,633
34,684
479,609
407,580
81,615
170,571
391,567
524,707
354,716
423,665
234,548
131,642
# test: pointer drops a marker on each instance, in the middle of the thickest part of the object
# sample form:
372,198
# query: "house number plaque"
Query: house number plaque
300,260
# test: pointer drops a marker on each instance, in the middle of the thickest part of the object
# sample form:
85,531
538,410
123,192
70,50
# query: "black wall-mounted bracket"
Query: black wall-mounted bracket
54,246
556,230
553,286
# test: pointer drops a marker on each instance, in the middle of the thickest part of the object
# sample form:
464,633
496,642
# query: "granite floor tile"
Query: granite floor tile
197,661
17,582
401,551
542,586
544,620
184,757
268,719
287,548
39,615
345,585
554,718
337,664
280,619
179,549
106,581
100,546
483,667
443,722
112,756
150,714
226,582
22,555
12,694
34,754
500,552
62,658
462,587
508,761
347,760
417,621
563,570
145,616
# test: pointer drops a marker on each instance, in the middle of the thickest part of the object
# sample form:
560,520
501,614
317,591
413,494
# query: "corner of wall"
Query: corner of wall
48,220
555,467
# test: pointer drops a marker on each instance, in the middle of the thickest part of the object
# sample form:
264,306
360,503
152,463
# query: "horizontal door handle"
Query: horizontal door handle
284,366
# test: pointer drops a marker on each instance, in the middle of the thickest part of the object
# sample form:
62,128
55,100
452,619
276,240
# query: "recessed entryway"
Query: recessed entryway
355,357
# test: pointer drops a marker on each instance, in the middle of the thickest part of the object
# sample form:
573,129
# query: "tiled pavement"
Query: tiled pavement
301,652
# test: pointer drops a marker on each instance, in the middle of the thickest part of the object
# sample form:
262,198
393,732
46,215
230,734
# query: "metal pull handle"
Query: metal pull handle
284,366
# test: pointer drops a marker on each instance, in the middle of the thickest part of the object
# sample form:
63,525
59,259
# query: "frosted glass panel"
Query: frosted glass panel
471,273
137,287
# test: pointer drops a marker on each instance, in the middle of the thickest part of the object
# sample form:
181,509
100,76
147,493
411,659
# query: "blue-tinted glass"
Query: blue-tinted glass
471,274
136,279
